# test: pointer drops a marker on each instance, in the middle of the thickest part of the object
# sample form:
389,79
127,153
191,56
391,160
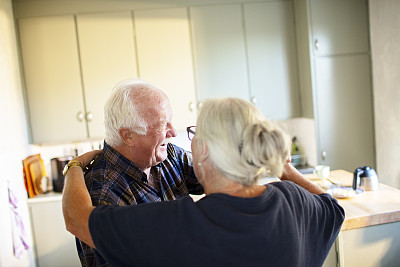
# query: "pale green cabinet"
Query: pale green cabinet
341,82
248,51
192,52
272,58
344,115
107,54
70,67
339,27
219,51
165,59
52,78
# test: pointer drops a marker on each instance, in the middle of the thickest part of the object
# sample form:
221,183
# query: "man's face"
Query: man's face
152,147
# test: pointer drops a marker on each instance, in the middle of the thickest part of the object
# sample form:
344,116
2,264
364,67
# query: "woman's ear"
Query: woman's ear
202,149
127,136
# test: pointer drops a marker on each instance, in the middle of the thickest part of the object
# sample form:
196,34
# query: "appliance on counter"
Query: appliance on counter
365,178
57,167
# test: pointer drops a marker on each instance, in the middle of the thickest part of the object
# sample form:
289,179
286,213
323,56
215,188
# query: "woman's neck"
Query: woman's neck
218,183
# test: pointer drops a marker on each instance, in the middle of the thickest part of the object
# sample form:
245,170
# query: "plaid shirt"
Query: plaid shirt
114,180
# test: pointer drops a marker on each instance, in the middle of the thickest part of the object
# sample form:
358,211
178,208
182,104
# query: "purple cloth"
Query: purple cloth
20,238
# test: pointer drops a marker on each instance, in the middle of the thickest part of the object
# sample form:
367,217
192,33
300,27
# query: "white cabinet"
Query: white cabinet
339,26
53,245
192,52
272,58
341,83
52,78
70,68
165,59
107,54
219,51
344,111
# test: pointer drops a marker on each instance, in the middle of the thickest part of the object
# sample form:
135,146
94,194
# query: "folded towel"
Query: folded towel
19,235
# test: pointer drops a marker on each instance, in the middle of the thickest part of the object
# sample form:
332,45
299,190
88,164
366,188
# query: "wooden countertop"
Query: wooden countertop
369,208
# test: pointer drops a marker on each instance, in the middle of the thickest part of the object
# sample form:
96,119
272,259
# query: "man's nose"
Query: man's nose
171,131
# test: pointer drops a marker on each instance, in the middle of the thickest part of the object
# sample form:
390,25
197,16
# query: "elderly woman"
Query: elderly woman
238,223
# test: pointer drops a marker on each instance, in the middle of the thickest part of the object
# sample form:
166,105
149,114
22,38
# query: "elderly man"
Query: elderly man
138,164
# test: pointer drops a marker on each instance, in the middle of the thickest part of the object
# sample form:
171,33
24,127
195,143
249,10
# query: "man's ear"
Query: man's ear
127,136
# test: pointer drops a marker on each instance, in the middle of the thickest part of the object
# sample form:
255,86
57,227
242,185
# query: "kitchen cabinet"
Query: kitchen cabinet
191,52
53,245
165,59
272,58
219,51
339,27
52,74
344,111
370,234
70,68
341,82
107,56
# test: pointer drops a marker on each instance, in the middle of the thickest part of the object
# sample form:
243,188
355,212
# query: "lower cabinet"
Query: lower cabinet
53,244
370,246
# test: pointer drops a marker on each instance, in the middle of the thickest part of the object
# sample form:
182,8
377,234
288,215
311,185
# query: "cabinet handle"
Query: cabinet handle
323,154
253,100
199,104
89,116
191,106
316,43
80,116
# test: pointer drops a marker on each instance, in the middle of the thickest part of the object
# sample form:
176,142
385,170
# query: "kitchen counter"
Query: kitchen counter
369,208
370,234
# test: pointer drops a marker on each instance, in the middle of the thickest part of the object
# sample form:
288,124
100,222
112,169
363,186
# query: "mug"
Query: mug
322,171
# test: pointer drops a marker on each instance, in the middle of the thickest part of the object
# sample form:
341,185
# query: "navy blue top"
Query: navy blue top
285,226
114,180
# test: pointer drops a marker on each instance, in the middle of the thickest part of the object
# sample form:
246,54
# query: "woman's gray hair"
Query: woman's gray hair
241,142
121,111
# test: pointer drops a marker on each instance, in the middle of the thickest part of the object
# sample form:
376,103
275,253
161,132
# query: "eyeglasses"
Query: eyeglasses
191,132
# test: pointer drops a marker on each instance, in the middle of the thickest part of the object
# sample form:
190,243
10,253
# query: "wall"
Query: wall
385,41
13,138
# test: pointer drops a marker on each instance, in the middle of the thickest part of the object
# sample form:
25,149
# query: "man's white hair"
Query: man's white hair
122,111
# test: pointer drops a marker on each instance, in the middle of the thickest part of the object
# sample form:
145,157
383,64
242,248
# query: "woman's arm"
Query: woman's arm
76,201
290,173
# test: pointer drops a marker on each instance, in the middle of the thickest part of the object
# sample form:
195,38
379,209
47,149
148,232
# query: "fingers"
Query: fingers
87,157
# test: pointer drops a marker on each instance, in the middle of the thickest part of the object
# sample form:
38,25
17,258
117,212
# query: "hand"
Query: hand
87,157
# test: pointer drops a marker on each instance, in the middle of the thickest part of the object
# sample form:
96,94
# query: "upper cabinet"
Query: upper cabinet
70,68
53,78
339,27
219,51
272,58
165,59
245,50
107,54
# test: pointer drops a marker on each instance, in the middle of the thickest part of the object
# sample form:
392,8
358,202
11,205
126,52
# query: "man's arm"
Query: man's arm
76,201
290,173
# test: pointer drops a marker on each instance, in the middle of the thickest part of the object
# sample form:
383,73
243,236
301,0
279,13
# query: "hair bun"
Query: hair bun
264,148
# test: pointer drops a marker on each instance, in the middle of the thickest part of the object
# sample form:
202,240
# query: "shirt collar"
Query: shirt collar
123,164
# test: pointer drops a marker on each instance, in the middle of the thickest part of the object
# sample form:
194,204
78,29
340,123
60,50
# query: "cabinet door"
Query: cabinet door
107,53
52,78
165,59
219,51
271,44
339,26
344,111
54,246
